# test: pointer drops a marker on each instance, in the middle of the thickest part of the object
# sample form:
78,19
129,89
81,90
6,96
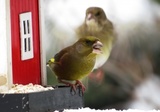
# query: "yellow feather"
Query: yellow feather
52,60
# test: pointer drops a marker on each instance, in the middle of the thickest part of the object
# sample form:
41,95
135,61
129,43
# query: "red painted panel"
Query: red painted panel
27,71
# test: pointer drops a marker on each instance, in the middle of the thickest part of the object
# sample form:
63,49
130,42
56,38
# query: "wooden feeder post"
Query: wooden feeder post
5,47
22,53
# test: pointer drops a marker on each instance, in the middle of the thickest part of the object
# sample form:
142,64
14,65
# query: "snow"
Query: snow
107,110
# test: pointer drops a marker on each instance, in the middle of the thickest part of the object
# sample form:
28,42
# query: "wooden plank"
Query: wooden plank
27,71
45,101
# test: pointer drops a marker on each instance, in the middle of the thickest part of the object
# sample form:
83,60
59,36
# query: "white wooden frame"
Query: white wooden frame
9,45
5,45
42,44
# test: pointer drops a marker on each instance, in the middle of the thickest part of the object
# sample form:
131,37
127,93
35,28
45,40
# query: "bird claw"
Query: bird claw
81,92
73,86
81,86
73,89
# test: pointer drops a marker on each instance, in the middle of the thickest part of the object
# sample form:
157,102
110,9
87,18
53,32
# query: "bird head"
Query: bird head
95,17
88,44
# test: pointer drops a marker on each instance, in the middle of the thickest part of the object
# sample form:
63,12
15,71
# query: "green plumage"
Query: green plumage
97,24
76,61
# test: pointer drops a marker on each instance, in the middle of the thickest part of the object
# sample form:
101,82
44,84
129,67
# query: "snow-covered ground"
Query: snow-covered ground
108,110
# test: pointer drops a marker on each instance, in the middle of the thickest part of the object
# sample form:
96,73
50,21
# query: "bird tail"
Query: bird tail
52,60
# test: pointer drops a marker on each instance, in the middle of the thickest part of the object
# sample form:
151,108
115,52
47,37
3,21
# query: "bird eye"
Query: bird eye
88,42
97,14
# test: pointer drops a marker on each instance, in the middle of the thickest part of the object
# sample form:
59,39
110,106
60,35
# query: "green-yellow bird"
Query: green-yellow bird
97,24
76,61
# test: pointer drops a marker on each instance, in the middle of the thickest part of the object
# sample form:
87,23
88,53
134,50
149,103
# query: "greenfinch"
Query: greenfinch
97,24
76,61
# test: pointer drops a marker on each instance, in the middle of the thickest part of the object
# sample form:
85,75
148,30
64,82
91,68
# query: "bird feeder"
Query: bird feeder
22,56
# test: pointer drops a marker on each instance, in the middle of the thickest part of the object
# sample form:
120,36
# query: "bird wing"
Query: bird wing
61,54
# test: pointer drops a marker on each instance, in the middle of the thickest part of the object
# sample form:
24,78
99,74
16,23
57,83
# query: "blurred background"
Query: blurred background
132,73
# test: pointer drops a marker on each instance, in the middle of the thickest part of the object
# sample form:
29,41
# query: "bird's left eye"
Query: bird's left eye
88,42
97,14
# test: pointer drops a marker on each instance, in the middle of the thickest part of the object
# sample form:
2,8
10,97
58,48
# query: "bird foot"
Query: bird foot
73,89
74,86
82,87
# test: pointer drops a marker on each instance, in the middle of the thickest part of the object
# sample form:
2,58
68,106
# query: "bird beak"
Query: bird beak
97,47
89,16
90,20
